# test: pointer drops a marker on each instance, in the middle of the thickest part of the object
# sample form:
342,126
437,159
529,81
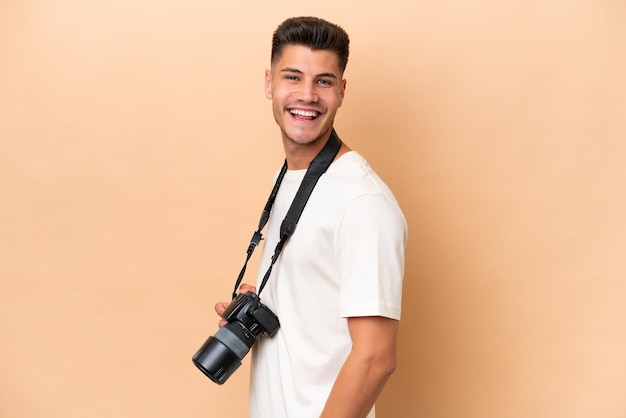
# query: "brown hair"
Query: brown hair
314,33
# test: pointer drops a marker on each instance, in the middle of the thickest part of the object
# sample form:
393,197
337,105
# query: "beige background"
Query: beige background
137,150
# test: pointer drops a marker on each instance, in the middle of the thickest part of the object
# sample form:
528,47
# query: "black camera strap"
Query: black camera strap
318,166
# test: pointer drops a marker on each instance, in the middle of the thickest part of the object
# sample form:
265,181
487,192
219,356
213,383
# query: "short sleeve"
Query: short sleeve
370,246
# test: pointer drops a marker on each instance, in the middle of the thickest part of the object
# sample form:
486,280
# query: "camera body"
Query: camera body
248,319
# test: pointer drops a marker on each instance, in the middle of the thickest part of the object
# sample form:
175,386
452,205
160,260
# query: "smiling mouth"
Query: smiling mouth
304,114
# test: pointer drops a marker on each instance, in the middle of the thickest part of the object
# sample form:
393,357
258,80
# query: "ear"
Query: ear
342,91
268,84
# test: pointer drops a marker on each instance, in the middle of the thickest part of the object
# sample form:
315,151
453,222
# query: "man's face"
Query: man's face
306,90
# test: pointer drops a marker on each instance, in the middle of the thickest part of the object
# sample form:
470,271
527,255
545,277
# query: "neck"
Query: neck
299,156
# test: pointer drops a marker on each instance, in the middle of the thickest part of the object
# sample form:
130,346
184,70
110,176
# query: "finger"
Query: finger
245,288
220,307
222,322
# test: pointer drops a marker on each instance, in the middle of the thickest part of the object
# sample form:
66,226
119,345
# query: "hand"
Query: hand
220,307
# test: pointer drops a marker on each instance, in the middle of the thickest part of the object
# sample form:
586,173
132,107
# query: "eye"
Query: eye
324,82
291,77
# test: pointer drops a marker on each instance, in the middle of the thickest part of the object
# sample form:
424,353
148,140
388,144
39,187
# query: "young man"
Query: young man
336,287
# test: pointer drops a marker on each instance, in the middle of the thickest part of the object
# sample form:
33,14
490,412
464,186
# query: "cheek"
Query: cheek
281,97
335,100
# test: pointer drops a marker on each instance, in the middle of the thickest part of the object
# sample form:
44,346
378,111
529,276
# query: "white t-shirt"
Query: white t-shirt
345,259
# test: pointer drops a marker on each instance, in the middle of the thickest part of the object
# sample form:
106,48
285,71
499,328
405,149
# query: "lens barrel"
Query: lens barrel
216,360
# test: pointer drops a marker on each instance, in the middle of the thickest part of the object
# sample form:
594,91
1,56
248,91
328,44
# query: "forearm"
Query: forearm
358,385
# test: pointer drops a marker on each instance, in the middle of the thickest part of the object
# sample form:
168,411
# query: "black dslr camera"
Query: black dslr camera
222,353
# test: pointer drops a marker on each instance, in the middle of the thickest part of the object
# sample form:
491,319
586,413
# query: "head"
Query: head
315,34
305,83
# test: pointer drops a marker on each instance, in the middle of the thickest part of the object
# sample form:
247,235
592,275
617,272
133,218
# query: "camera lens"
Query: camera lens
216,360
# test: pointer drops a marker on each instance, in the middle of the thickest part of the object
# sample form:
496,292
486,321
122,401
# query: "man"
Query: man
336,287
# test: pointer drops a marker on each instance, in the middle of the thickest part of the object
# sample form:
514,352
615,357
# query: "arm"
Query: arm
366,369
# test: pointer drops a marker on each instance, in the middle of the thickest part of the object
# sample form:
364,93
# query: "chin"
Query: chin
302,138
301,141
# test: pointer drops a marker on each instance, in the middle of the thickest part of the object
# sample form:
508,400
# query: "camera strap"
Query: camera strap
318,166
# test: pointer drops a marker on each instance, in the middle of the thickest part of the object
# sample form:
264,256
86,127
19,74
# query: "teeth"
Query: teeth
299,112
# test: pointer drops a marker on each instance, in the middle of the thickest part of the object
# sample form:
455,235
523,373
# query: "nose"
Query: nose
307,93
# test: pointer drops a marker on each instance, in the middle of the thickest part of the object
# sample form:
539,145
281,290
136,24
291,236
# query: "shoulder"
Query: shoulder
356,179
352,172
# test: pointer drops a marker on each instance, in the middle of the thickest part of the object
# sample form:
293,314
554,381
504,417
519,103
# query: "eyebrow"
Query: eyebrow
295,70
